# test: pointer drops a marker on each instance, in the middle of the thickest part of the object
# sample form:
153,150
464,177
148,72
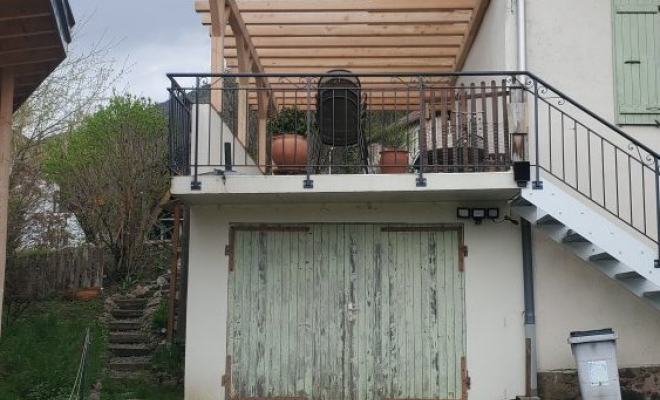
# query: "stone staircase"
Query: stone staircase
129,342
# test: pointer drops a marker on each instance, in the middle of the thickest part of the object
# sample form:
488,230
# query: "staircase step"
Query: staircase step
574,237
128,337
602,257
654,294
520,202
128,325
130,350
548,220
119,313
629,275
128,363
131,304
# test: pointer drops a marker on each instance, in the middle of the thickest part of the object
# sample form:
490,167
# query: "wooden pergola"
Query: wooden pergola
310,37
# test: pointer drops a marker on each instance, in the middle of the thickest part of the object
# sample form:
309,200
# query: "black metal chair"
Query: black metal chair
340,113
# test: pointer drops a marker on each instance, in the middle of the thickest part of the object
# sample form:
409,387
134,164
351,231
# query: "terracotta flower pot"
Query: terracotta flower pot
393,161
289,152
87,293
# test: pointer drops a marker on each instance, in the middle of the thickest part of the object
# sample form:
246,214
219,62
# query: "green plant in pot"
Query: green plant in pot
288,130
392,136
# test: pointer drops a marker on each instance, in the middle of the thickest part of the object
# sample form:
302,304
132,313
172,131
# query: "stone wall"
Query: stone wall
636,384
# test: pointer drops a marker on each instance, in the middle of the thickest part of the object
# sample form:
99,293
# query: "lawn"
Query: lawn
40,355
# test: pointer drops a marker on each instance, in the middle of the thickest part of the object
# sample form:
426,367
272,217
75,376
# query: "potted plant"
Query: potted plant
288,130
393,143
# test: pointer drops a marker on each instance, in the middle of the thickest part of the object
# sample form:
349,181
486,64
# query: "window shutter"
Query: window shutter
636,56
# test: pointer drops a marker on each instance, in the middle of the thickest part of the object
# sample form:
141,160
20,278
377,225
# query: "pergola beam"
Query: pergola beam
349,42
344,5
338,52
353,18
355,30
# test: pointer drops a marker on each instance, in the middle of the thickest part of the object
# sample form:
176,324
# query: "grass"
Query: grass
40,352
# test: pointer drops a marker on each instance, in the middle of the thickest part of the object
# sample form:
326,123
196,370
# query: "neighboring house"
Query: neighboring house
49,224
34,37
341,284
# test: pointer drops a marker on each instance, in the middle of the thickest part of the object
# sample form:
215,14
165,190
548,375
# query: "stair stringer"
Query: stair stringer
632,256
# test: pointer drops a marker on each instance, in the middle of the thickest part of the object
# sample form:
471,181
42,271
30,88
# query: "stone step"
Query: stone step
128,363
127,325
130,350
131,304
128,337
119,313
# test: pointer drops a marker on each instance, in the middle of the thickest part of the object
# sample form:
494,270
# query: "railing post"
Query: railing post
421,180
656,264
308,183
196,184
537,184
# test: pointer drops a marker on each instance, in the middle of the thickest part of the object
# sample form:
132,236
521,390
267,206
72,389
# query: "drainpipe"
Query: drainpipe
522,36
531,378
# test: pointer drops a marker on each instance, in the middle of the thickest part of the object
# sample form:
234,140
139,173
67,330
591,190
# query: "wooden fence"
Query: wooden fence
39,275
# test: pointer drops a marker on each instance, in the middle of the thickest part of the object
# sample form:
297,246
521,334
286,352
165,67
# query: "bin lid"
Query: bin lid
597,335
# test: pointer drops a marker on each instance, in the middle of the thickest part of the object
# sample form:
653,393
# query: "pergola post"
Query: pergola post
220,11
6,114
262,114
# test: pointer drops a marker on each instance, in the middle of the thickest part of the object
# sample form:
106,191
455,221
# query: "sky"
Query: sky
150,37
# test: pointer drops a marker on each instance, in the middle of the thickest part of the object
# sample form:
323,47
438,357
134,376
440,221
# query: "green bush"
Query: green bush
169,359
160,317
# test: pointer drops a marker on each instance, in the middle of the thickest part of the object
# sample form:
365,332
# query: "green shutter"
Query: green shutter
636,46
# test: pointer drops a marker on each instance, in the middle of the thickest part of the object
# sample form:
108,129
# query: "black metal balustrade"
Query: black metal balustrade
438,123
462,122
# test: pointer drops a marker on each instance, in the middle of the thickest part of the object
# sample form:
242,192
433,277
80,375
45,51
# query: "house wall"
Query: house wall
494,299
570,45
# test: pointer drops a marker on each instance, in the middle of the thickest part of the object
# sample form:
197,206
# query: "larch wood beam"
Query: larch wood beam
357,70
350,62
22,9
220,13
28,43
354,30
334,52
352,18
347,42
31,57
344,5
30,27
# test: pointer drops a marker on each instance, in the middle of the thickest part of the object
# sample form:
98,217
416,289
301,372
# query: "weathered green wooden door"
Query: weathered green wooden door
346,312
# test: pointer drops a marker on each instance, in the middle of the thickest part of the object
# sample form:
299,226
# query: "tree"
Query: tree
112,172
73,90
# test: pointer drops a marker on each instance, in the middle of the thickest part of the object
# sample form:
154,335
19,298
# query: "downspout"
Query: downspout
531,367
531,379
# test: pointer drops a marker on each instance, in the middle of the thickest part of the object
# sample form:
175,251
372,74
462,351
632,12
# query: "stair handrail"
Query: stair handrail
591,113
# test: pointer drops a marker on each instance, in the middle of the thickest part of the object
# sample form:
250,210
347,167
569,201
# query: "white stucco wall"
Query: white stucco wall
571,295
494,301
570,45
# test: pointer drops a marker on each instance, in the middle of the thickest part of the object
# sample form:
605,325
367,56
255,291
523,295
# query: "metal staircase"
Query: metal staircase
607,246
595,189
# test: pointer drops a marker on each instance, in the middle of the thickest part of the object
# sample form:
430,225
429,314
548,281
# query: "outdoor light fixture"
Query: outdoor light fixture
478,214
463,213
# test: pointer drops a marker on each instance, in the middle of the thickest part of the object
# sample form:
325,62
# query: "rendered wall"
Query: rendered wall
494,300
570,45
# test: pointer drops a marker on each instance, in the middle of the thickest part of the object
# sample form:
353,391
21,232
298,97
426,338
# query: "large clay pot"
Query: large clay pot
87,293
289,152
393,161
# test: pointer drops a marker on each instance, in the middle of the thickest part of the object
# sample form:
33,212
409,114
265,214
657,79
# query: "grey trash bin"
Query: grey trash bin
598,371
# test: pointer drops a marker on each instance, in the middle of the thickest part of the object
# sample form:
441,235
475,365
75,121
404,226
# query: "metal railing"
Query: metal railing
436,122
443,122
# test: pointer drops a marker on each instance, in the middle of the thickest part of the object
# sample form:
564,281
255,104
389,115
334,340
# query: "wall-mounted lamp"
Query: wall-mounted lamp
477,214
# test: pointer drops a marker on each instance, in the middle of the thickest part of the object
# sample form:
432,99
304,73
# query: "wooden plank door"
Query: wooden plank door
346,312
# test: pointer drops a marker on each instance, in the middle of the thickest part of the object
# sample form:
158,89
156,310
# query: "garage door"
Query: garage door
346,312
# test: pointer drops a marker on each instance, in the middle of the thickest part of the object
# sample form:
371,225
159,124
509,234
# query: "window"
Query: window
636,59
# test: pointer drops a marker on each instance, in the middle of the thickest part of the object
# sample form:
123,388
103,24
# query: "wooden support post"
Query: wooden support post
244,66
219,14
262,114
6,115
174,271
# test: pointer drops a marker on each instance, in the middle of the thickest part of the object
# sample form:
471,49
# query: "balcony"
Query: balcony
422,132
